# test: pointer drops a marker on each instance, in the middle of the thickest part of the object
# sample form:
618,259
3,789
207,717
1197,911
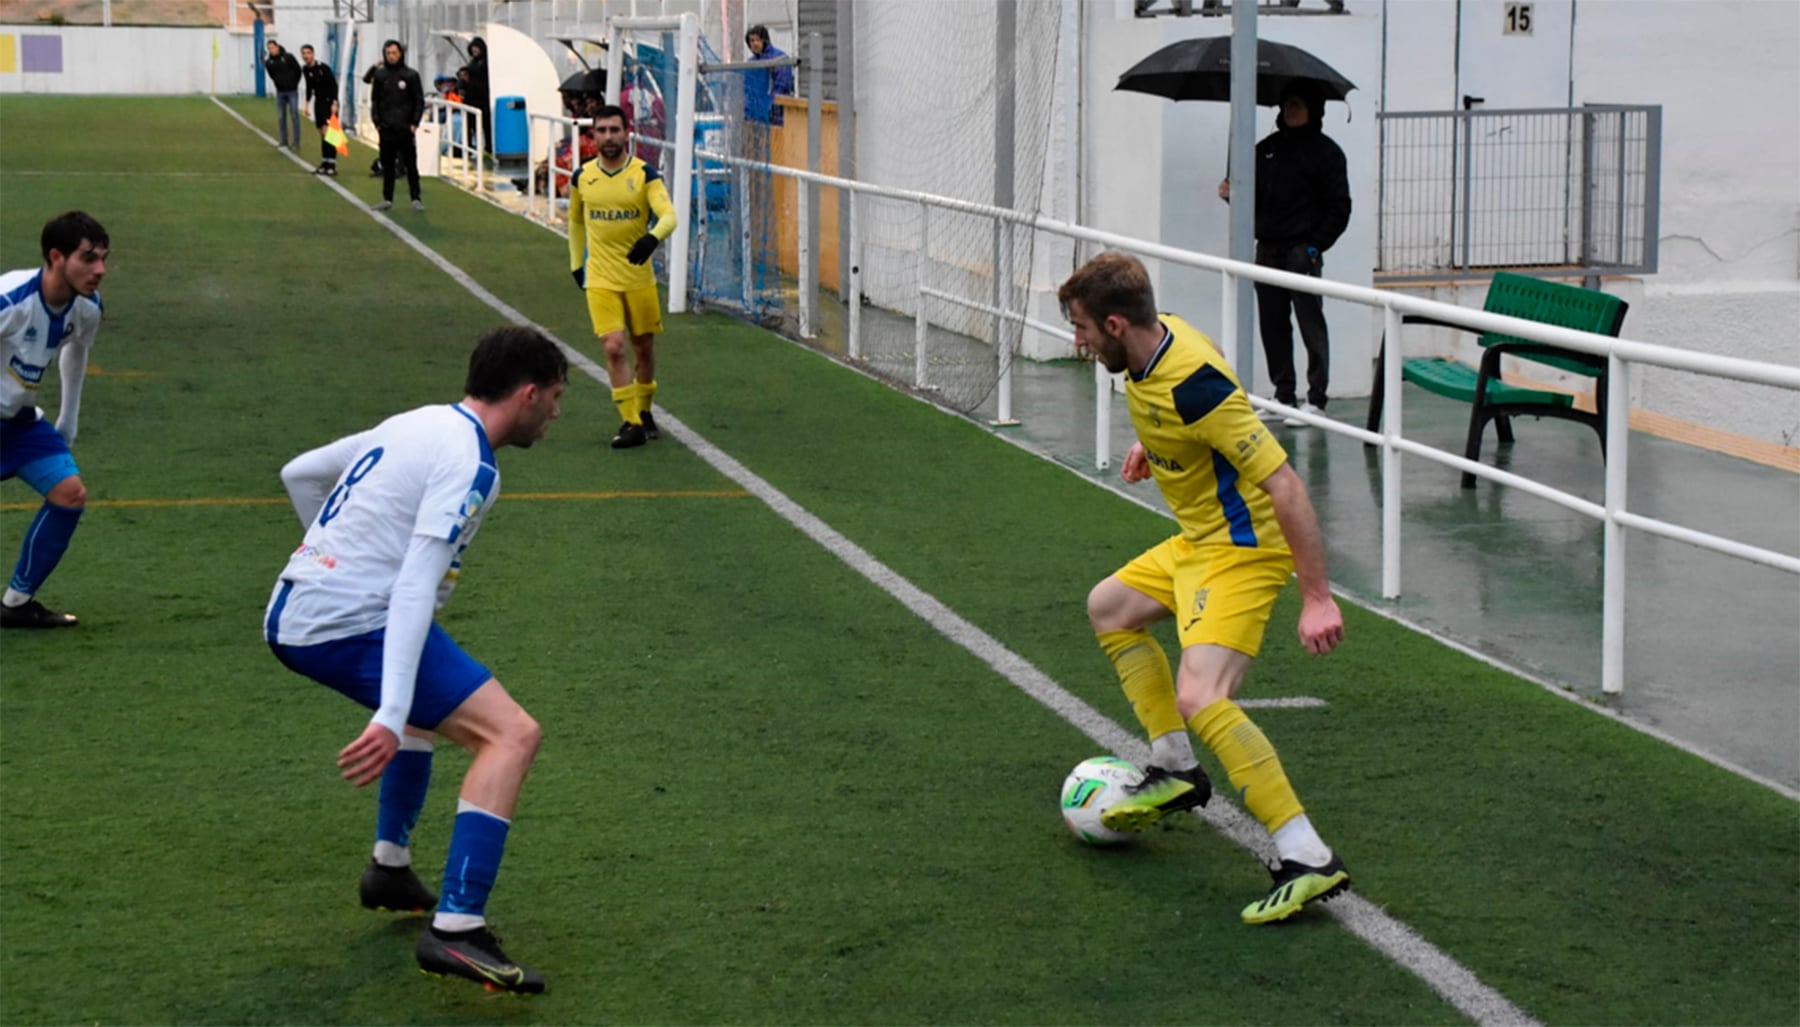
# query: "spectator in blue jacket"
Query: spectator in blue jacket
761,87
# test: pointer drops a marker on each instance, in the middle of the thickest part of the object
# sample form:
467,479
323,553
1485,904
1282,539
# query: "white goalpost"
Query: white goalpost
687,31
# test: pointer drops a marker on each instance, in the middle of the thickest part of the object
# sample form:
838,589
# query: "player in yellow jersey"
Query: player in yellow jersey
1246,525
619,211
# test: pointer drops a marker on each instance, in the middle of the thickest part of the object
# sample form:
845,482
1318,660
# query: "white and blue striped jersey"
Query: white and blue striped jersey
31,336
429,472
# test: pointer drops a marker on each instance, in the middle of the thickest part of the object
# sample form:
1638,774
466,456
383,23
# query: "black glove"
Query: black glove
580,276
641,250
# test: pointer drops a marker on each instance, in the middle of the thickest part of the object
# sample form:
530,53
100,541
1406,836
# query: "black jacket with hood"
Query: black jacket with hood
396,94
1302,189
475,77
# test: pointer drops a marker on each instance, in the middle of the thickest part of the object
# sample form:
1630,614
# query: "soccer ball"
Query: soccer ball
1090,788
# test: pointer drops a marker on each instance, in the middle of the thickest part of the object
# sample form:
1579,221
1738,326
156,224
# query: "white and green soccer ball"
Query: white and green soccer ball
1090,788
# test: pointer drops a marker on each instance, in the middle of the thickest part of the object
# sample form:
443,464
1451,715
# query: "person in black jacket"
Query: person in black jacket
322,95
474,77
1302,206
284,72
398,99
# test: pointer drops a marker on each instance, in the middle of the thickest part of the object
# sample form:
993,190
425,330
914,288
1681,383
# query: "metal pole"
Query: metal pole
689,81
1102,417
1619,197
1612,603
1006,21
1003,410
1468,174
1243,184
846,129
854,293
1587,193
1392,365
922,273
809,207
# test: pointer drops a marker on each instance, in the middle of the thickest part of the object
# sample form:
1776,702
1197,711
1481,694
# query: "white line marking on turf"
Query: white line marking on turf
1292,702
1393,939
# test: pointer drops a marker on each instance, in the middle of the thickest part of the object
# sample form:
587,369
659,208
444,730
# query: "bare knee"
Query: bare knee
614,345
523,734
69,492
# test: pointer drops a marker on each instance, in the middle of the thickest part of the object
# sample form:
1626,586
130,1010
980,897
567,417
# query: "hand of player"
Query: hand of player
1136,467
1225,189
363,760
1321,625
580,276
641,250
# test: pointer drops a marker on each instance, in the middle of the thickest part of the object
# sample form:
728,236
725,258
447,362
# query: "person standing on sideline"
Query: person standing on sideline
322,94
45,313
1246,525
474,77
398,100
284,73
389,513
1302,206
611,238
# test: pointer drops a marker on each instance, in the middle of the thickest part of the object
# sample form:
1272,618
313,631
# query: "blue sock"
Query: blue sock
45,542
474,861
403,786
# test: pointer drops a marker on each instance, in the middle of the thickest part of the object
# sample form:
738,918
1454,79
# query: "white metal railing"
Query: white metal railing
464,143
556,129
1621,355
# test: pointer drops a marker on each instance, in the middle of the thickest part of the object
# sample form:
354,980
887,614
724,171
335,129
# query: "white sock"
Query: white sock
1173,751
390,855
16,598
1296,840
458,921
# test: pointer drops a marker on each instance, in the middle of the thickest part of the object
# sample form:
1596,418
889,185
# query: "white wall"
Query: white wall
115,60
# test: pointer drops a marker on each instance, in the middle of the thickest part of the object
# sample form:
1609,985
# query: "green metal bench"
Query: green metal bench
1492,399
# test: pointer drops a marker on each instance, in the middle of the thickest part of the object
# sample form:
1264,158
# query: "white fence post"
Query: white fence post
1612,599
1391,366
921,265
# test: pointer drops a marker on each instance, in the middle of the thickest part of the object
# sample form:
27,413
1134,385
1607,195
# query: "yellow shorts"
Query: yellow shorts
635,312
1220,595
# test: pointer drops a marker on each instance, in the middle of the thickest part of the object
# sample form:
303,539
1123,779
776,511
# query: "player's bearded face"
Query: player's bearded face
535,415
611,134
1093,339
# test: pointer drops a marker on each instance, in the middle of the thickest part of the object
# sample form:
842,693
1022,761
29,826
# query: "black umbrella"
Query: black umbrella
586,82
1200,69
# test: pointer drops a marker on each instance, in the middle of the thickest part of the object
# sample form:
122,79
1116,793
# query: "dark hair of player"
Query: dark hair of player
65,232
511,356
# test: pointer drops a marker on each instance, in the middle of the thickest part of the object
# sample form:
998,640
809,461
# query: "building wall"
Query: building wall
87,59
1724,71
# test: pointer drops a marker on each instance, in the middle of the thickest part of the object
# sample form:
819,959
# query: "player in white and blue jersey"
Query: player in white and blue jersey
47,315
388,514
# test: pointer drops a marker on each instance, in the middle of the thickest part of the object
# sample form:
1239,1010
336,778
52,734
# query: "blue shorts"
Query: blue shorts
31,448
447,675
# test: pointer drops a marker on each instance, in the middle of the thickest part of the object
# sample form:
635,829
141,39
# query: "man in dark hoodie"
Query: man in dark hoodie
474,76
398,100
284,72
1302,206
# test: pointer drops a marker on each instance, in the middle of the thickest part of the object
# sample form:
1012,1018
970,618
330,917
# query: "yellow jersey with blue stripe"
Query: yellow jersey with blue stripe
610,210
1206,446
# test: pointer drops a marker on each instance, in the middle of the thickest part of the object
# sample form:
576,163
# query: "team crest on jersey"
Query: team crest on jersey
472,503
31,333
631,185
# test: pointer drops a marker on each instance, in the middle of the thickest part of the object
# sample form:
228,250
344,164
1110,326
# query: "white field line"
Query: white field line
1393,939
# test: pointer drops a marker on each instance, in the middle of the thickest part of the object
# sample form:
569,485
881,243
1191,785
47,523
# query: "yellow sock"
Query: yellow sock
1143,671
626,399
1250,761
646,391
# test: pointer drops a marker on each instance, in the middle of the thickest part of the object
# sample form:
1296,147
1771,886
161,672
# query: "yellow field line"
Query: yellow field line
509,497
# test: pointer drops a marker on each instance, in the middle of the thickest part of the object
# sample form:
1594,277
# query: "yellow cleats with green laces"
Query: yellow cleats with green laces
1297,884
1160,793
